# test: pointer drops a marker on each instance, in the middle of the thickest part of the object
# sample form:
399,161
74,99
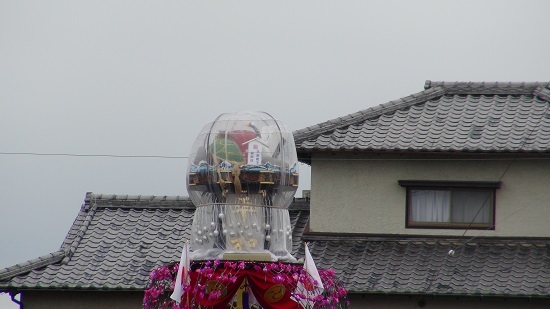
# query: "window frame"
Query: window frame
488,186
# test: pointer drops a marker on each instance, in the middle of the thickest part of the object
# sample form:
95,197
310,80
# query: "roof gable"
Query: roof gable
445,117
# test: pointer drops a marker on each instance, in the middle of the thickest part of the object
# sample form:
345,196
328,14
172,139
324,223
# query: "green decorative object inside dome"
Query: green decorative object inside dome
227,150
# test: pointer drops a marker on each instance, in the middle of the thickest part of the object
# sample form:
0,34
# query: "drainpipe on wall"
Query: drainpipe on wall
13,294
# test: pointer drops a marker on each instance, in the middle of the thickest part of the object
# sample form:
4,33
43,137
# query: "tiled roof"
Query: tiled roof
455,117
116,241
413,266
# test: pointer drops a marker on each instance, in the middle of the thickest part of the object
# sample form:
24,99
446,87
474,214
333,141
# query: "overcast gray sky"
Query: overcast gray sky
143,77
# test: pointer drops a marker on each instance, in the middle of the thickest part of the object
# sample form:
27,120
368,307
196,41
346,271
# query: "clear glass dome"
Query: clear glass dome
242,176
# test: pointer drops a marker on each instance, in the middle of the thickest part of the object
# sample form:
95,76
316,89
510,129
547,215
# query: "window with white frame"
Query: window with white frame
450,204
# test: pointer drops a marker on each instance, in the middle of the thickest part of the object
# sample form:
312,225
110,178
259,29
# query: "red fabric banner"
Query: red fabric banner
272,292
215,293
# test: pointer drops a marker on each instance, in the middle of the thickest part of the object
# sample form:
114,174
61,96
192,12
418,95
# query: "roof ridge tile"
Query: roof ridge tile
486,87
70,249
542,92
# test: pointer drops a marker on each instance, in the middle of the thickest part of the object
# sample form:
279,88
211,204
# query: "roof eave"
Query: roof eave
447,294
25,267
305,155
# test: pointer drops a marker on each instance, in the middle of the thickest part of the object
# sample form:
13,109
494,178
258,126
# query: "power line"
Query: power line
512,160
92,155
500,179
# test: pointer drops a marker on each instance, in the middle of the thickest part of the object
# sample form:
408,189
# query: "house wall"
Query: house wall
444,302
82,300
122,300
353,194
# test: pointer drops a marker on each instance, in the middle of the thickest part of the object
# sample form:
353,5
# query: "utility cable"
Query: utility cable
92,155
452,251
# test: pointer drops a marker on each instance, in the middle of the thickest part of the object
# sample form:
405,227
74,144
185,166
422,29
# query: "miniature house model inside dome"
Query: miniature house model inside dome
242,176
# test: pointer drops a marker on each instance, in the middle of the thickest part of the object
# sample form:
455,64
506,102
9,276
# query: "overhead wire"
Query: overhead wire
93,155
503,174
512,160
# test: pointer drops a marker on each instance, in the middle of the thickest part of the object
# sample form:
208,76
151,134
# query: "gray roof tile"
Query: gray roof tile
517,268
457,117
116,241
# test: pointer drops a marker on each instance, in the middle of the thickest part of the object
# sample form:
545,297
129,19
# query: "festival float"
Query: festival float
242,176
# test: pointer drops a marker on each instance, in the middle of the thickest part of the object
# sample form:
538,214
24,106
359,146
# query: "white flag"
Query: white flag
310,292
183,272
311,269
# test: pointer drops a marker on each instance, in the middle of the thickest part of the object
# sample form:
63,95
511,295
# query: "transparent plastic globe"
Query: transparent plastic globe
242,176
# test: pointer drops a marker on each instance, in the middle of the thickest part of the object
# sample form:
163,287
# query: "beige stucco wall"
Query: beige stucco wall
361,194
82,300
444,302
